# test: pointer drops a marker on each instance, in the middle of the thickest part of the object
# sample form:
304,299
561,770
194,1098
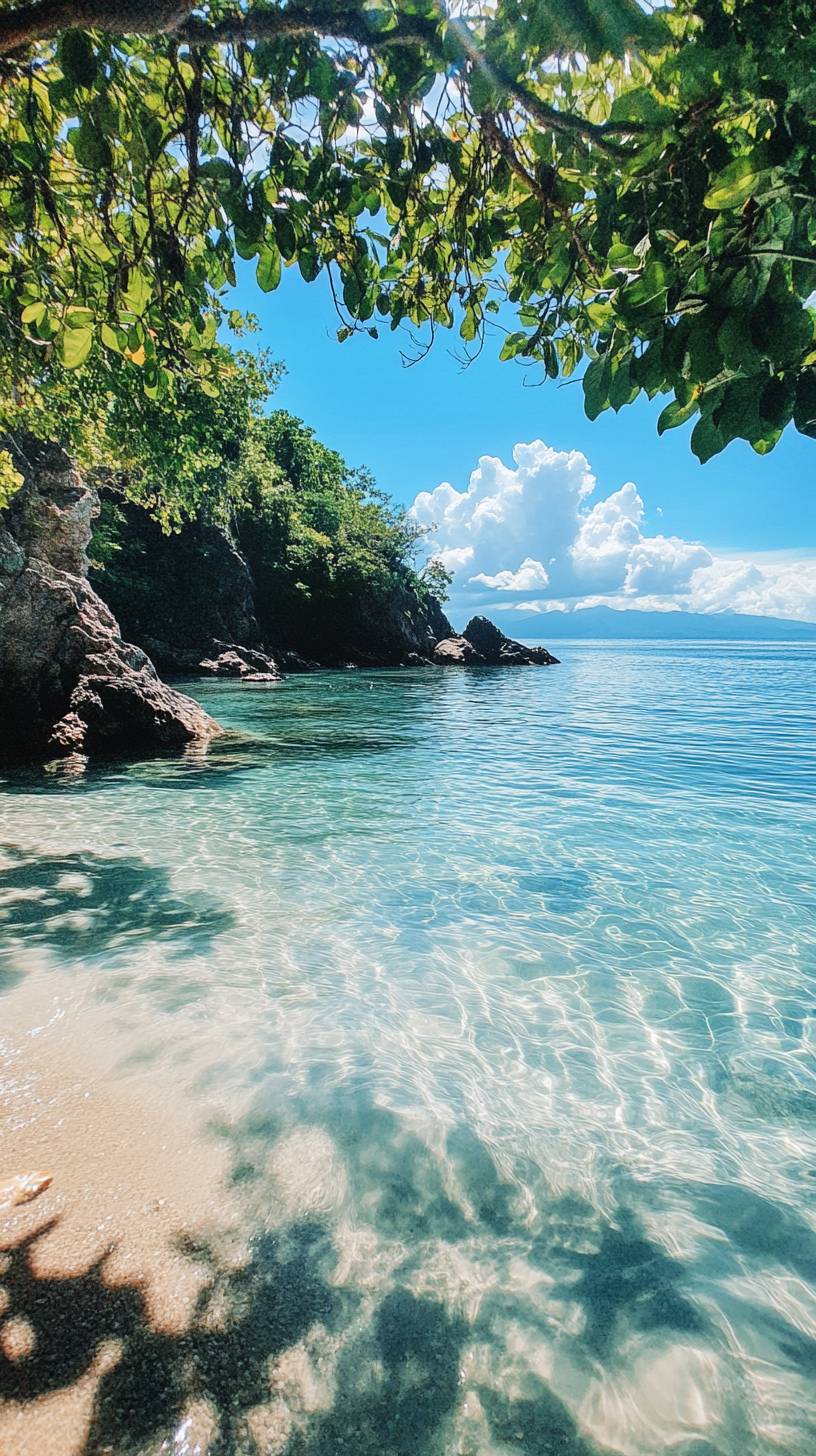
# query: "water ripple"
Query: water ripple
516,974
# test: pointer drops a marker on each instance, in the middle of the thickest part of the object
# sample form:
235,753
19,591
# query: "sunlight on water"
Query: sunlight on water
501,986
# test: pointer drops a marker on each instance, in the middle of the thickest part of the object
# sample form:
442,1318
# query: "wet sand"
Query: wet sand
117,1253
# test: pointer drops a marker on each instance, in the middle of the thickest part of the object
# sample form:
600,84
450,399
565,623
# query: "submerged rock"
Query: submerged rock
68,682
483,644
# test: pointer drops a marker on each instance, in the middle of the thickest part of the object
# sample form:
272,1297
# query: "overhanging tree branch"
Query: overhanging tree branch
45,20
27,24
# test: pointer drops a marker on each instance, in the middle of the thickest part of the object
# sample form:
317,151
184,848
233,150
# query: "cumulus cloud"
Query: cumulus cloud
530,575
766,589
538,535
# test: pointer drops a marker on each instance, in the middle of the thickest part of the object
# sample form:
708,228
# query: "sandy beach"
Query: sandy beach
102,1275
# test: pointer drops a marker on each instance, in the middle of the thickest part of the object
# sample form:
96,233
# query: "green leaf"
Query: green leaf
706,440
781,328
776,401
648,369
735,344
218,168
268,271
138,292
77,58
642,106
323,78
804,409
620,255
75,346
765,443
702,360
623,388
514,344
110,339
597,378
309,264
468,326
675,414
33,313
648,288
735,184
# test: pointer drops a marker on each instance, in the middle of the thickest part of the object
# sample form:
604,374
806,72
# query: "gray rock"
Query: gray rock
68,683
178,594
483,644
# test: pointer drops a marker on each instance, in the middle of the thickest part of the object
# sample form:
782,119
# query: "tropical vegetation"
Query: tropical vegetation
330,556
635,185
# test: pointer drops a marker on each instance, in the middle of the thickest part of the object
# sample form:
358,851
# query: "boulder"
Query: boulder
231,660
457,651
494,647
68,682
483,644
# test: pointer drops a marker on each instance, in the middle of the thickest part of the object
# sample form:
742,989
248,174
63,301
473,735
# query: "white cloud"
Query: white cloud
530,575
531,533
765,590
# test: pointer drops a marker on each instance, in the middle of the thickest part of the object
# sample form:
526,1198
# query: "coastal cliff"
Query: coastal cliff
195,595
200,601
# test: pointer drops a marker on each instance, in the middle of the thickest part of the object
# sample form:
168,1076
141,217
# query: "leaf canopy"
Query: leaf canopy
638,184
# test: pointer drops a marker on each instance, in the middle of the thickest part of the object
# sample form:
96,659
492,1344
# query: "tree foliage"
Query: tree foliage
332,560
328,550
639,185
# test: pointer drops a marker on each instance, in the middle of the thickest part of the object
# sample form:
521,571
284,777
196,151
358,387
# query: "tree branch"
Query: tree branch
48,18
45,19
548,117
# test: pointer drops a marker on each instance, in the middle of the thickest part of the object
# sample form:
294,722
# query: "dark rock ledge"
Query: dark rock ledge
482,644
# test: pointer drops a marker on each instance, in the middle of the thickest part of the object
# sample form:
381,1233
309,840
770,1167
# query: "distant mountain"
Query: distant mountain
605,622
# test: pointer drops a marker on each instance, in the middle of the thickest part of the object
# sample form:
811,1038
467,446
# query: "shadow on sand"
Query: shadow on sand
393,1353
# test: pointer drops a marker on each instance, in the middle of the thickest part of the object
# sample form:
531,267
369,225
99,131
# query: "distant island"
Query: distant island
607,622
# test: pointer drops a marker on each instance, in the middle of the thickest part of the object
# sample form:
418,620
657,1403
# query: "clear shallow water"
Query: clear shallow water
502,986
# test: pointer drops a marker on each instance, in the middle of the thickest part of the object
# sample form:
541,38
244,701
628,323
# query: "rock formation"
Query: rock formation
483,644
68,682
233,660
186,597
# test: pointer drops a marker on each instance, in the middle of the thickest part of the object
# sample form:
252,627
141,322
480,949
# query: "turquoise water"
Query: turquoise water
503,983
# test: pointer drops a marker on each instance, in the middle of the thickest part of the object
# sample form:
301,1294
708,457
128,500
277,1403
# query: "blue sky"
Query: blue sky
420,426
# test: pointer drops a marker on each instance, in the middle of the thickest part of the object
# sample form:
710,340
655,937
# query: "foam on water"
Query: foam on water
501,987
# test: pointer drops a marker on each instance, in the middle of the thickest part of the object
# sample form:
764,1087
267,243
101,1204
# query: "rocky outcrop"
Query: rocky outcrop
404,630
68,682
189,596
185,596
483,644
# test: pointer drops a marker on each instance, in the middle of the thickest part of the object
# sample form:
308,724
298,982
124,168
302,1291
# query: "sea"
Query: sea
498,986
